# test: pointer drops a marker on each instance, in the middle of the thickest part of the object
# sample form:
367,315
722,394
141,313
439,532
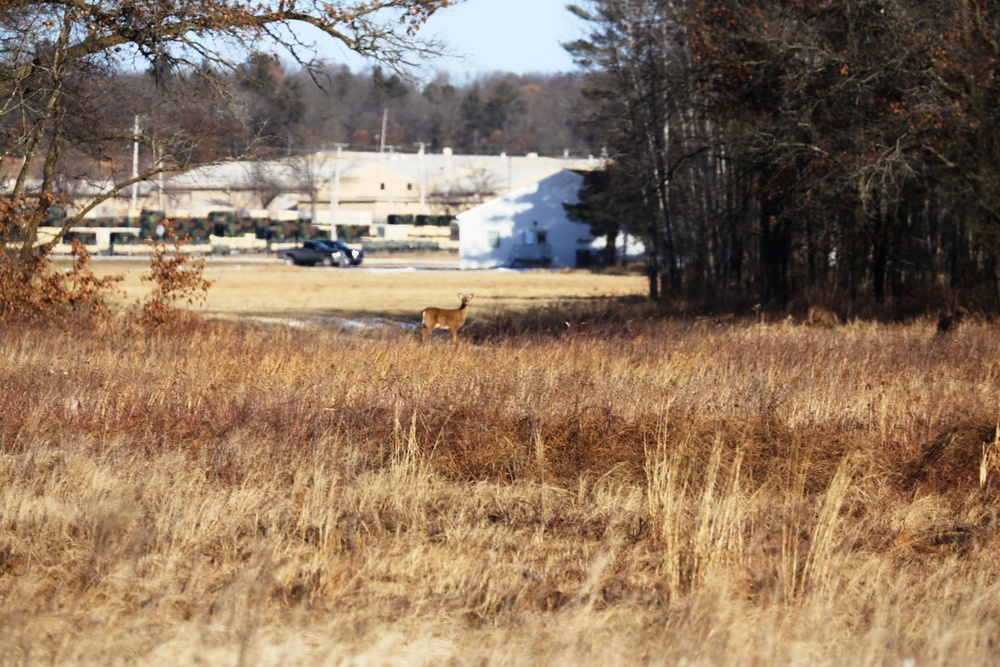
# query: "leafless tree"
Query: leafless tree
310,171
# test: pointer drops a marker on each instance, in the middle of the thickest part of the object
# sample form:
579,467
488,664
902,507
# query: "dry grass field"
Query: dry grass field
624,489
260,288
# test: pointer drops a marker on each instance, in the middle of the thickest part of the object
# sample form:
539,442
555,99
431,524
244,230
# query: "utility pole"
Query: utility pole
423,199
335,194
135,165
159,189
388,182
385,121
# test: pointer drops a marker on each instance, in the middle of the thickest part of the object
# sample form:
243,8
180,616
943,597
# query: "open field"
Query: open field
666,492
268,288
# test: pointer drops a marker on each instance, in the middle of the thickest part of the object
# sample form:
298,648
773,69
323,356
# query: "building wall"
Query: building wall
206,200
372,186
489,234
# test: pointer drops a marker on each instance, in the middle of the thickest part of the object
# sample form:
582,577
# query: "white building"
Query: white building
525,227
529,227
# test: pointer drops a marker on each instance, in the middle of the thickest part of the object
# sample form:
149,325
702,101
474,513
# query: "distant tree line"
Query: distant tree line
289,109
784,152
262,108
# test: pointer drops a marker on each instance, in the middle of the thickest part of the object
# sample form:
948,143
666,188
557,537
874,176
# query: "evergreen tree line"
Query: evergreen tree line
289,110
844,152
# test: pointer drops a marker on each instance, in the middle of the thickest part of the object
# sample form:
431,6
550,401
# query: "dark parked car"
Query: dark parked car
314,252
356,255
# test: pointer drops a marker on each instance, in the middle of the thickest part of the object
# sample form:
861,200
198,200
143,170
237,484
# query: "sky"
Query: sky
518,36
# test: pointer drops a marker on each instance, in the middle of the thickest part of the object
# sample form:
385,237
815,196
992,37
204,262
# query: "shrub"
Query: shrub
176,278
33,289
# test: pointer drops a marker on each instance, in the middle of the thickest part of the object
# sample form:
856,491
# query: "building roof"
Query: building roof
543,199
245,174
434,170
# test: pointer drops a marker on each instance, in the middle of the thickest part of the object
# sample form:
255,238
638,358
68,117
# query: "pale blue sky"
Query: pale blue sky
519,36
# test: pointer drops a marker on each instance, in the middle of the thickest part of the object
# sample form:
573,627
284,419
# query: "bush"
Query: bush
176,278
32,289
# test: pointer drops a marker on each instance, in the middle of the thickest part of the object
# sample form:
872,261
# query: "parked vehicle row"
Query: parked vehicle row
328,252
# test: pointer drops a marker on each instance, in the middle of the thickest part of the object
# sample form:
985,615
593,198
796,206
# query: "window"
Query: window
494,239
381,186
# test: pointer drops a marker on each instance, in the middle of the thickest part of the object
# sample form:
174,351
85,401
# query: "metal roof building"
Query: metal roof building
332,185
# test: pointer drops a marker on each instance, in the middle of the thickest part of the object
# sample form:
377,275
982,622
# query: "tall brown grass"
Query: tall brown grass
537,494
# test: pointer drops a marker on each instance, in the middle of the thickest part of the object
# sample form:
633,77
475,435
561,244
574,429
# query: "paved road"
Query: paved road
395,261
414,262
399,260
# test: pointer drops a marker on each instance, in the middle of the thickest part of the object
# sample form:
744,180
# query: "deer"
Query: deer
445,318
950,320
820,316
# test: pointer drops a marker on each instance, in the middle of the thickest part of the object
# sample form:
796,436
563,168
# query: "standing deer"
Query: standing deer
820,316
453,319
950,320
